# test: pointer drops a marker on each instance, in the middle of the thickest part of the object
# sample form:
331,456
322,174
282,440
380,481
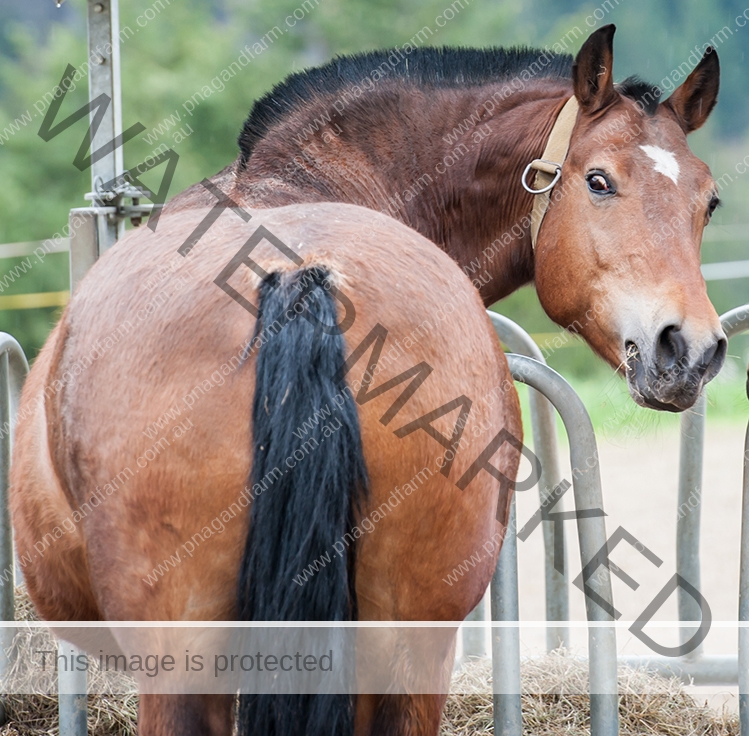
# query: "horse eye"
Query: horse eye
712,206
598,183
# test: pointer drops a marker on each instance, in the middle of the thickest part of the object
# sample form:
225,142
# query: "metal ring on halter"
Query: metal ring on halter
547,188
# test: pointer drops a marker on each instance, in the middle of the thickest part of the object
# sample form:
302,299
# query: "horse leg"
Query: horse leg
415,667
185,715
416,714
408,715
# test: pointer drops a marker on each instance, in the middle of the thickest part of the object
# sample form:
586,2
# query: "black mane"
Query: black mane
648,95
423,67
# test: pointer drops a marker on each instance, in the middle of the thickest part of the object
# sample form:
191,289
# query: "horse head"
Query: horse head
618,256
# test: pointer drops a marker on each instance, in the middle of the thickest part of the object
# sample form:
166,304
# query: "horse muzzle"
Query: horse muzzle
671,373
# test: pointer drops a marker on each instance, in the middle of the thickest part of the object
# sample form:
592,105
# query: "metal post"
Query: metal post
92,231
104,78
744,599
543,423
86,236
744,594
688,523
84,244
7,603
97,228
586,480
13,370
508,714
546,448
690,490
7,593
72,696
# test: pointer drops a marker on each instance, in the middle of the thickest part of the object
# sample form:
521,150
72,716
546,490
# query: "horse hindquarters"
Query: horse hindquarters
315,490
49,543
160,510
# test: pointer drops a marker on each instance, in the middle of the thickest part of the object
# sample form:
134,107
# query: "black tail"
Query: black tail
308,461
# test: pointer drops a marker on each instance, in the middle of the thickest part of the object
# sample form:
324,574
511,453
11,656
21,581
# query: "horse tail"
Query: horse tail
308,480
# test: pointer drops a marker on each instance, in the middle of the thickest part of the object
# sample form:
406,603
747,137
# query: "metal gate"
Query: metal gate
696,668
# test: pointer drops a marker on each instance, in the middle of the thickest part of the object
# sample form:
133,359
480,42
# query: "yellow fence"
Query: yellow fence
34,301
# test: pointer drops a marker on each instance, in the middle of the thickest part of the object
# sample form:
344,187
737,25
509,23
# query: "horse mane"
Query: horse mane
423,67
648,95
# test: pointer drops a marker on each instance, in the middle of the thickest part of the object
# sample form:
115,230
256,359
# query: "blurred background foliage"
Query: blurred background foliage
188,42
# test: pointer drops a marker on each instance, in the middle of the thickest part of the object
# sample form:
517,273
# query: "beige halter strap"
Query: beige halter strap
548,168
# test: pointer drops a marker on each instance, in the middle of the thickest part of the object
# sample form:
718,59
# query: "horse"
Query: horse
439,139
173,342
403,198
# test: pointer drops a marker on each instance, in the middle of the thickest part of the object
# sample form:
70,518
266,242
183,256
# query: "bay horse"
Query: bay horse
358,169
173,352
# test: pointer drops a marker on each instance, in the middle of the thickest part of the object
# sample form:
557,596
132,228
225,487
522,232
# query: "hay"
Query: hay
109,714
554,700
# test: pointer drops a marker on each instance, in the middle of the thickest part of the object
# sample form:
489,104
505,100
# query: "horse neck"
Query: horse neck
443,162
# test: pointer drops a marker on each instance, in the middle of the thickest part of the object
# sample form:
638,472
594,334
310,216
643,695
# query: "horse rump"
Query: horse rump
309,479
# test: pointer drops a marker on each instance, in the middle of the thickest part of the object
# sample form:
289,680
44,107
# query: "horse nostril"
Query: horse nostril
670,348
713,357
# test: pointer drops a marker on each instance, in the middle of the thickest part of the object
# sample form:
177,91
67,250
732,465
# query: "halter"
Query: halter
548,171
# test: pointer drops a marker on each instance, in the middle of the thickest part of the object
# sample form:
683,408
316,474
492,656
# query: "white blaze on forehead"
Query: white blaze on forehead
665,162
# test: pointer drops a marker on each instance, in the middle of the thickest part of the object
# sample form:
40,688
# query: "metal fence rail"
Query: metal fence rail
591,531
743,664
13,371
545,446
696,668
505,606
549,391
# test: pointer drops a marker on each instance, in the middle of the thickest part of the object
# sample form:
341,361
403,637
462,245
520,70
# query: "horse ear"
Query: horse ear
592,72
695,99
